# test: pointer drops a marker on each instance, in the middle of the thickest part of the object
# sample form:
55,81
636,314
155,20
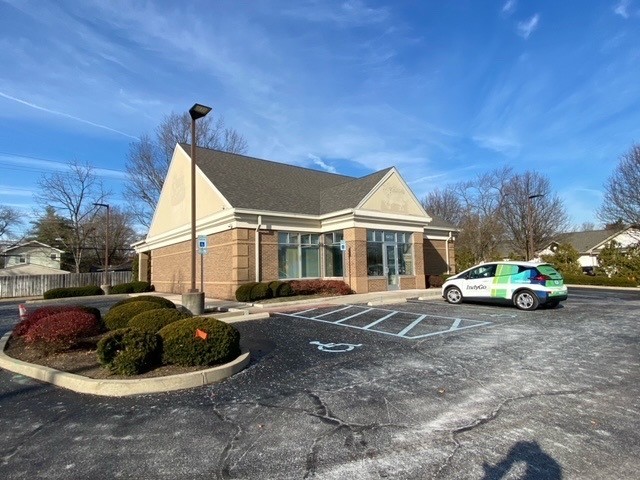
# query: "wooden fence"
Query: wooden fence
36,285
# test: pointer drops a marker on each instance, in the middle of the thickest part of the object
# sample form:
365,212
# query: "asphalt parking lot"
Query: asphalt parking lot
399,391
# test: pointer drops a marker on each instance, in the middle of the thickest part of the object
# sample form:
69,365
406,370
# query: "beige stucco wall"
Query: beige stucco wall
393,197
174,206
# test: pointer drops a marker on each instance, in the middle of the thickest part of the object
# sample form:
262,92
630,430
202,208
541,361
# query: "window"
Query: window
402,249
298,255
333,256
23,258
53,256
484,271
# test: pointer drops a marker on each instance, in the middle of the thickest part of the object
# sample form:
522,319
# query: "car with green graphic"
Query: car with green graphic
526,285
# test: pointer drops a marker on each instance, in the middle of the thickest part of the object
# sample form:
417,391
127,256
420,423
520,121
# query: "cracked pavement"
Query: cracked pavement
546,394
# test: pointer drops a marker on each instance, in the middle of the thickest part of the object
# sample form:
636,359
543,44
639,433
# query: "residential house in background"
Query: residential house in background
590,243
31,258
265,221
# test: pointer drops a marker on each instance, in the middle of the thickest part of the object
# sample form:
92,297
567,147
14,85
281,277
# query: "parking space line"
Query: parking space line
329,313
305,311
360,313
373,324
455,324
411,325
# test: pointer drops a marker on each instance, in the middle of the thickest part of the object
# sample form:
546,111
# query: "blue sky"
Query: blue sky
443,90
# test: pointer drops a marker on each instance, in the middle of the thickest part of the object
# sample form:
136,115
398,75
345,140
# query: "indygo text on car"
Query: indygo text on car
525,284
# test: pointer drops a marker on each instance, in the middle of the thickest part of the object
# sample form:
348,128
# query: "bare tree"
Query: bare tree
148,159
622,191
73,194
121,236
10,218
444,204
531,213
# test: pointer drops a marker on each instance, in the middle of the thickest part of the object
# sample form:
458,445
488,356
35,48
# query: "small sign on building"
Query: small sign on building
343,245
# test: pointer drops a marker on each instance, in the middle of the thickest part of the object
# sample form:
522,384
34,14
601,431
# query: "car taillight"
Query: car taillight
542,278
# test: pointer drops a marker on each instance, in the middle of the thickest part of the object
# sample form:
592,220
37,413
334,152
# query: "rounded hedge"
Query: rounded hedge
147,298
132,287
153,320
183,343
61,331
243,293
129,351
119,316
284,290
260,291
43,312
72,292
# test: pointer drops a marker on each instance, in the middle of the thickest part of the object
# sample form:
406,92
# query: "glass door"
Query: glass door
391,267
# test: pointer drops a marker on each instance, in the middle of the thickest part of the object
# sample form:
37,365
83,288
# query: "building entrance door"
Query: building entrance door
391,266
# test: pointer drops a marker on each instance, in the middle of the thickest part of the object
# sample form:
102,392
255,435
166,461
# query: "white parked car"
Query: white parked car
524,284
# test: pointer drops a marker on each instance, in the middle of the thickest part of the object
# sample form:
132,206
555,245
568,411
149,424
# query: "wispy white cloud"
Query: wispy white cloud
319,162
527,27
498,143
349,13
15,192
40,165
622,8
66,115
509,7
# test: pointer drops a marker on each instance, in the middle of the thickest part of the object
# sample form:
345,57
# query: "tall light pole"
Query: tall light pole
194,300
530,222
106,285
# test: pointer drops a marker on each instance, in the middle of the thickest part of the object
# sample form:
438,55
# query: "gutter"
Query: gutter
257,247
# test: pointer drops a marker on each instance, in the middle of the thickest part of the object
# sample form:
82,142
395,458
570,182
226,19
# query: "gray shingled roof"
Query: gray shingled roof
257,184
438,222
584,241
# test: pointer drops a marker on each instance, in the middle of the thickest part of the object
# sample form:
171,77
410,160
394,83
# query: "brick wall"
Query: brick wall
435,256
356,261
268,256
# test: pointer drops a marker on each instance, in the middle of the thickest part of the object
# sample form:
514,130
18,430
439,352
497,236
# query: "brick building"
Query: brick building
265,221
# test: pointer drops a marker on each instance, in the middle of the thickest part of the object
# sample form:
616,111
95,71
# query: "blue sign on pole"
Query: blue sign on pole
202,244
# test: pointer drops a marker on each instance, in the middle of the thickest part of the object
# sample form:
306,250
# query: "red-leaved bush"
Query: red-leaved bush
328,287
62,331
43,312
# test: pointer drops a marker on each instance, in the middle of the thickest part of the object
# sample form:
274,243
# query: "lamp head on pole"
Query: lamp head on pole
198,111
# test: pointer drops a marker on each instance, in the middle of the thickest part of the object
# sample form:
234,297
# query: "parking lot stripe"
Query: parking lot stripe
411,325
373,324
455,324
305,311
360,313
329,313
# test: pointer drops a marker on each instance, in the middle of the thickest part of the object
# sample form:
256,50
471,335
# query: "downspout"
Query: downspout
446,249
258,248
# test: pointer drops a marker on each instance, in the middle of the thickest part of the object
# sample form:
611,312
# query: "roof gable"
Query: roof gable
392,195
256,184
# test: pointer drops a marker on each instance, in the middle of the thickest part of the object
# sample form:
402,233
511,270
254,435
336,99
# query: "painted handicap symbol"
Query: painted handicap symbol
335,347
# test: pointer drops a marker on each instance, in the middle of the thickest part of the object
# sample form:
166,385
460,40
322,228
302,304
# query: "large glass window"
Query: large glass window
402,250
333,256
298,255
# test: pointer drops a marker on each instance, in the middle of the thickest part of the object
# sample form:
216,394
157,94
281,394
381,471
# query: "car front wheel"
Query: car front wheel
526,300
453,295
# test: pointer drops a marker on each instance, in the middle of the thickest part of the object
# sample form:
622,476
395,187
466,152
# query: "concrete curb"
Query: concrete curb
236,317
121,388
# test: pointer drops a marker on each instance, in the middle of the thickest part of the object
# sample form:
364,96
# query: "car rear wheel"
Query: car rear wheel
526,300
453,295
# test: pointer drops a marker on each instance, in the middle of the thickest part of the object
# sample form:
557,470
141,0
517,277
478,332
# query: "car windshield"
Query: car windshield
550,271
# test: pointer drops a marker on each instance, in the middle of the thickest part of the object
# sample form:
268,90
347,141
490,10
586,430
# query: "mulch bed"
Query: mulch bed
83,360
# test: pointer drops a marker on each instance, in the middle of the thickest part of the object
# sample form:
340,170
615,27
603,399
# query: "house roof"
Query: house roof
33,243
437,222
257,184
585,241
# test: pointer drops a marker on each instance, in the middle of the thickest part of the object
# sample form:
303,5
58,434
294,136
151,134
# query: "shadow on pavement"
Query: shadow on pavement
537,463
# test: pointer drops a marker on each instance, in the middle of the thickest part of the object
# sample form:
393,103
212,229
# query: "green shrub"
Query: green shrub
601,281
129,351
284,290
147,298
274,286
243,293
154,320
132,287
182,346
62,331
260,291
119,317
434,281
73,292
